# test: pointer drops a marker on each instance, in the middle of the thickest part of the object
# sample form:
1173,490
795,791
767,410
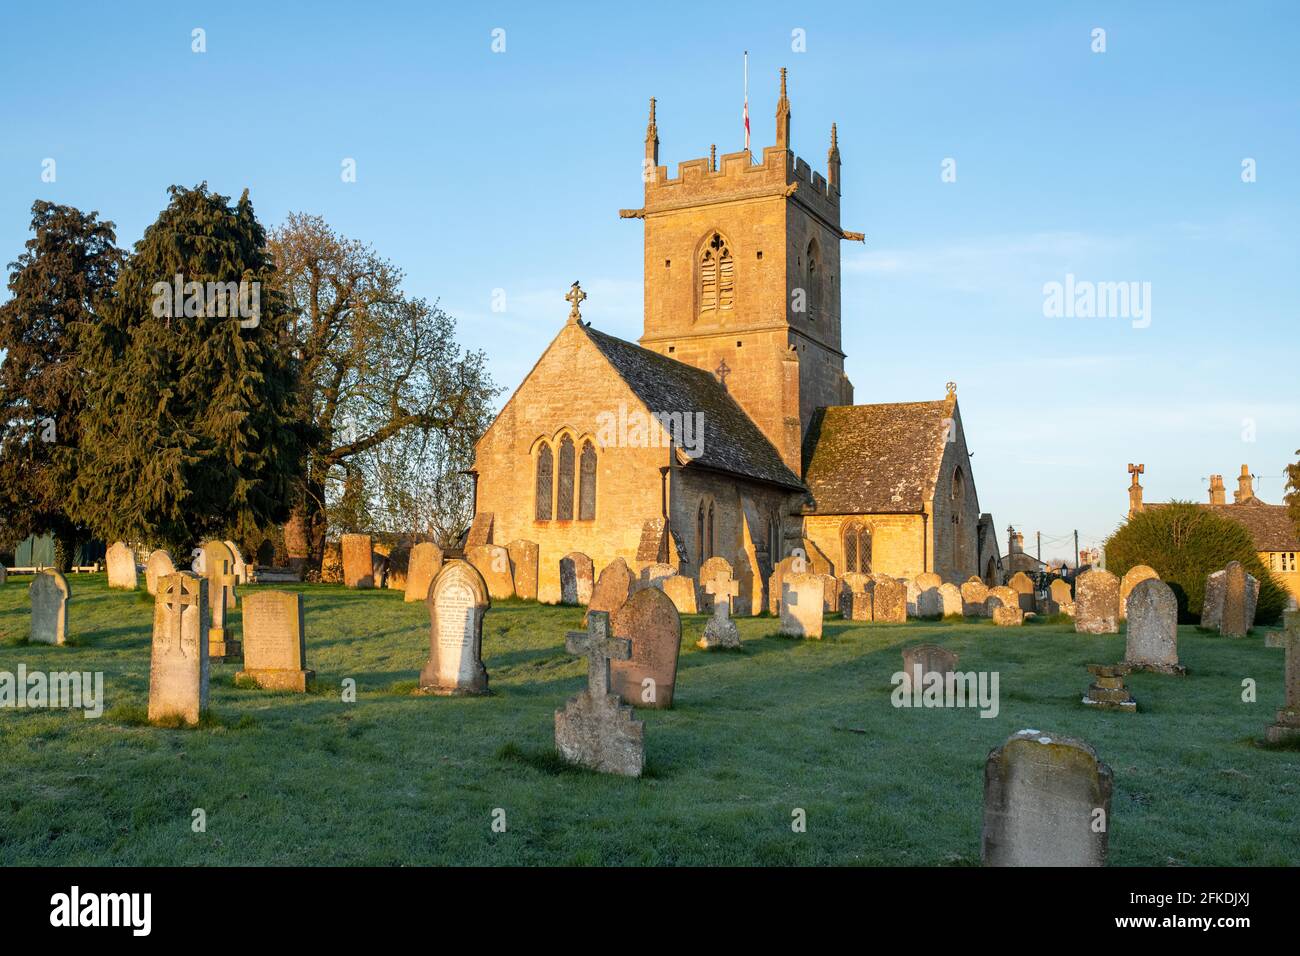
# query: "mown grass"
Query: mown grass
783,724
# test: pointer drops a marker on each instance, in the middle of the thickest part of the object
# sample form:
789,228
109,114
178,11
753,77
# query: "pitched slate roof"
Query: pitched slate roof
874,459
732,442
1269,525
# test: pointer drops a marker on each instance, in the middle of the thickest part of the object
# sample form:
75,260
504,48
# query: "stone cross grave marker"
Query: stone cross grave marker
178,665
595,728
721,630
1287,727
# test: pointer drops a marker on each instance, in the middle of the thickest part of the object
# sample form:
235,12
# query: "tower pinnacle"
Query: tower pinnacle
652,137
783,117
833,161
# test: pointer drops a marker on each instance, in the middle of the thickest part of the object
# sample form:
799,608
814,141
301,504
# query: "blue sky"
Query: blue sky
479,171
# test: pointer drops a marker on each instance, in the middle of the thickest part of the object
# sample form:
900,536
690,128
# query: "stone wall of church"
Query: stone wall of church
693,489
955,555
898,542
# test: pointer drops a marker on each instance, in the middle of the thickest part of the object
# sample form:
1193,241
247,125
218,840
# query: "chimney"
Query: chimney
1245,492
1015,541
1218,496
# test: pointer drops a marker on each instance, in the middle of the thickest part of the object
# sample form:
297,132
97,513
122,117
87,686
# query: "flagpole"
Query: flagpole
747,101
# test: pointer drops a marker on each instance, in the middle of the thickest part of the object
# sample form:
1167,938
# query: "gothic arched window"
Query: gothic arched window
587,483
717,277
813,280
708,534
857,548
564,485
545,482
699,536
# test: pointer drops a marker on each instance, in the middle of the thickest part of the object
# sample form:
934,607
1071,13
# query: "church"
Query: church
729,428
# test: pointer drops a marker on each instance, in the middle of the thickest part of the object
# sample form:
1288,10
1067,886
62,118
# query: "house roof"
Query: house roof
875,459
1269,525
732,442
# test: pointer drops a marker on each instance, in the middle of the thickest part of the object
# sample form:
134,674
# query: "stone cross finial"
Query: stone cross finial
600,649
575,296
1136,470
722,371
952,388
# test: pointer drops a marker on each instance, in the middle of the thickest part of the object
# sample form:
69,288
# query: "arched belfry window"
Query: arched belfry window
564,484
857,548
717,277
587,483
813,279
545,482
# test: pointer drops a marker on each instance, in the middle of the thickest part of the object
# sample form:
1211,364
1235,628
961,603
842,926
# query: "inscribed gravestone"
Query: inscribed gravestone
1234,621
157,567
493,562
595,728
926,659
1046,803
654,575
721,631
178,664
121,567
358,561
613,588
523,567
1132,578
458,600
801,605
1096,603
275,643
577,578
974,594
423,565
49,593
855,596
648,677
1152,638
889,600
950,595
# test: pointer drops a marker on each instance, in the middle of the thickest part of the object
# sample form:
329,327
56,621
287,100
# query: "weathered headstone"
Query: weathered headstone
121,567
1046,803
523,567
220,584
4,575
1001,596
399,568
331,565
1235,621
1152,638
613,588
480,530
654,575
889,600
681,591
358,561
926,659
1006,615
855,596
830,593
378,569
714,569
974,595
1059,596
1287,727
801,605
794,564
1107,691
577,578
238,567
157,567
1023,585
721,630
275,643
1132,577
49,593
458,599
595,728
648,677
1096,603
178,666
493,562
421,568
929,602
950,595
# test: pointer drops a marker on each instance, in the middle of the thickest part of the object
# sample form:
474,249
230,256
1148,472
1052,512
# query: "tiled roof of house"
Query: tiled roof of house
732,442
875,459
1269,525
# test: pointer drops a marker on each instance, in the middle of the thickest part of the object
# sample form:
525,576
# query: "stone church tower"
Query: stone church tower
742,277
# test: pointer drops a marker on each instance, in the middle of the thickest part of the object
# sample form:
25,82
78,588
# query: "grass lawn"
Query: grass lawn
784,724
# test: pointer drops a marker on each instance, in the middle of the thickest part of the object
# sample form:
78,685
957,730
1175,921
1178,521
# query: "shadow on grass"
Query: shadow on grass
549,761
137,715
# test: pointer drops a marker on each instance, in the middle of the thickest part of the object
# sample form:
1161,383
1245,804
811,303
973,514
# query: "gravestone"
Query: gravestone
974,594
493,562
1287,727
577,578
714,569
889,600
794,564
830,593
523,567
595,728
358,561
1107,691
1132,577
275,643
1001,596
178,663
1235,620
157,567
681,591
421,568
929,602
220,583
331,565
913,595
721,630
480,530
218,564
4,575
654,575
1059,596
855,596
121,567
1096,603
238,567
399,568
926,659
378,569
1042,794
1023,585
49,593
458,599
801,605
1152,631
613,588
1006,615
950,596
648,676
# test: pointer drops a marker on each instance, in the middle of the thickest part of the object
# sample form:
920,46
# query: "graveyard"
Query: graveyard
754,735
